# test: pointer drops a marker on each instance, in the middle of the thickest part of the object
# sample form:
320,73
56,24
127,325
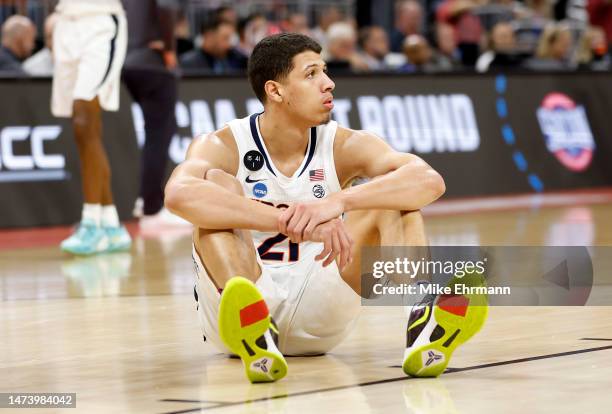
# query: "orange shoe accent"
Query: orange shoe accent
253,313
455,304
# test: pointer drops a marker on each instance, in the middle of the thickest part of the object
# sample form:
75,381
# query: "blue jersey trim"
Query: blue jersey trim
257,140
313,145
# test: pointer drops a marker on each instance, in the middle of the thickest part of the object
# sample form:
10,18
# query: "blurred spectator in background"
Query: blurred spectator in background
149,74
326,17
18,37
554,49
540,11
448,54
468,29
242,45
182,34
418,55
41,63
216,53
408,21
341,54
501,50
593,50
458,33
600,14
374,44
251,30
226,14
506,10
12,7
571,10
297,23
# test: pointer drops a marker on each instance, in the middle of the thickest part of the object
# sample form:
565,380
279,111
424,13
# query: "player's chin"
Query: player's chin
325,117
319,117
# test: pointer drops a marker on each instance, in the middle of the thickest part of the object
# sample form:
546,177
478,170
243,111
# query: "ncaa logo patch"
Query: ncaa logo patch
260,190
566,131
318,191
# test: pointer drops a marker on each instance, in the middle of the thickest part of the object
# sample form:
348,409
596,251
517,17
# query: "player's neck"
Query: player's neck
282,136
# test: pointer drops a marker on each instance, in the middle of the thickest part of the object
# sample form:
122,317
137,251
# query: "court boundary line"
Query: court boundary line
596,339
383,381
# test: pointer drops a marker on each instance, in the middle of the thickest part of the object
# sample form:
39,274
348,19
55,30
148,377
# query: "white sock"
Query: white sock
110,218
92,213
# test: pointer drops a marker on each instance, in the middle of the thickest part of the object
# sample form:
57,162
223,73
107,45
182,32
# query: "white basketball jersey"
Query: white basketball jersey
86,7
315,179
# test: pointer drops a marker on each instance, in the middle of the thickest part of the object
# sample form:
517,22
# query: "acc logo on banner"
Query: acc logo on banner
32,163
566,131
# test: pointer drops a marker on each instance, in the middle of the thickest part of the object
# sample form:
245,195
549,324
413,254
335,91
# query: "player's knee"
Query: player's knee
385,215
412,216
225,180
80,122
83,122
379,218
393,219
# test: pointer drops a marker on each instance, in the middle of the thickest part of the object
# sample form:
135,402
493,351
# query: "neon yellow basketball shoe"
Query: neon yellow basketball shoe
439,324
247,329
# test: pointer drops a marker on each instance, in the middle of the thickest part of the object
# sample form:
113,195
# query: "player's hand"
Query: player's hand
300,219
337,244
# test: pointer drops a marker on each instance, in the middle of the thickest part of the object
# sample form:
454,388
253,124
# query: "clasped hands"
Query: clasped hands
319,221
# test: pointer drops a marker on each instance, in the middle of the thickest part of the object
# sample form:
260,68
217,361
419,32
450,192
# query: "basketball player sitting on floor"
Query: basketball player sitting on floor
275,273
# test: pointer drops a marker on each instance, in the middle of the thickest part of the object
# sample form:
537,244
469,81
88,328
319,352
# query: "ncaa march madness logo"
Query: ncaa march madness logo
566,131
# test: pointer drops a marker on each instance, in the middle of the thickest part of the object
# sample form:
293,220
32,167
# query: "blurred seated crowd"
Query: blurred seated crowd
422,36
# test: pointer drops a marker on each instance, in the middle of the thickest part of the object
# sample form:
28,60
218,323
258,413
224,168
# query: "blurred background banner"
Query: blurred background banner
486,134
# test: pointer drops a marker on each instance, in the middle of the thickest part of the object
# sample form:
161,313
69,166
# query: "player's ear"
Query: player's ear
273,91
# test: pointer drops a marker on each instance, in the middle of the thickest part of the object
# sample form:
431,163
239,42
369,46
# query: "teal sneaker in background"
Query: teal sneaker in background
87,239
119,239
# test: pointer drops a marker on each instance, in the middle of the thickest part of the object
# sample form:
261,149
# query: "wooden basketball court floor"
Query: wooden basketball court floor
121,330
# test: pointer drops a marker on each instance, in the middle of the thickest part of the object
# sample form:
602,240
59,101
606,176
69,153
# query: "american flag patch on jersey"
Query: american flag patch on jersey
317,175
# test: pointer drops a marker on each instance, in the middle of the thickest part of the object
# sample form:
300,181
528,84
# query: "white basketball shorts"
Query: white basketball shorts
88,53
312,306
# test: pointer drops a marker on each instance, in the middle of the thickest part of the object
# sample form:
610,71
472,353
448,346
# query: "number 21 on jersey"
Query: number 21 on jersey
265,247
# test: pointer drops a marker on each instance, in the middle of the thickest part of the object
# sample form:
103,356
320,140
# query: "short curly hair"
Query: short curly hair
272,59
